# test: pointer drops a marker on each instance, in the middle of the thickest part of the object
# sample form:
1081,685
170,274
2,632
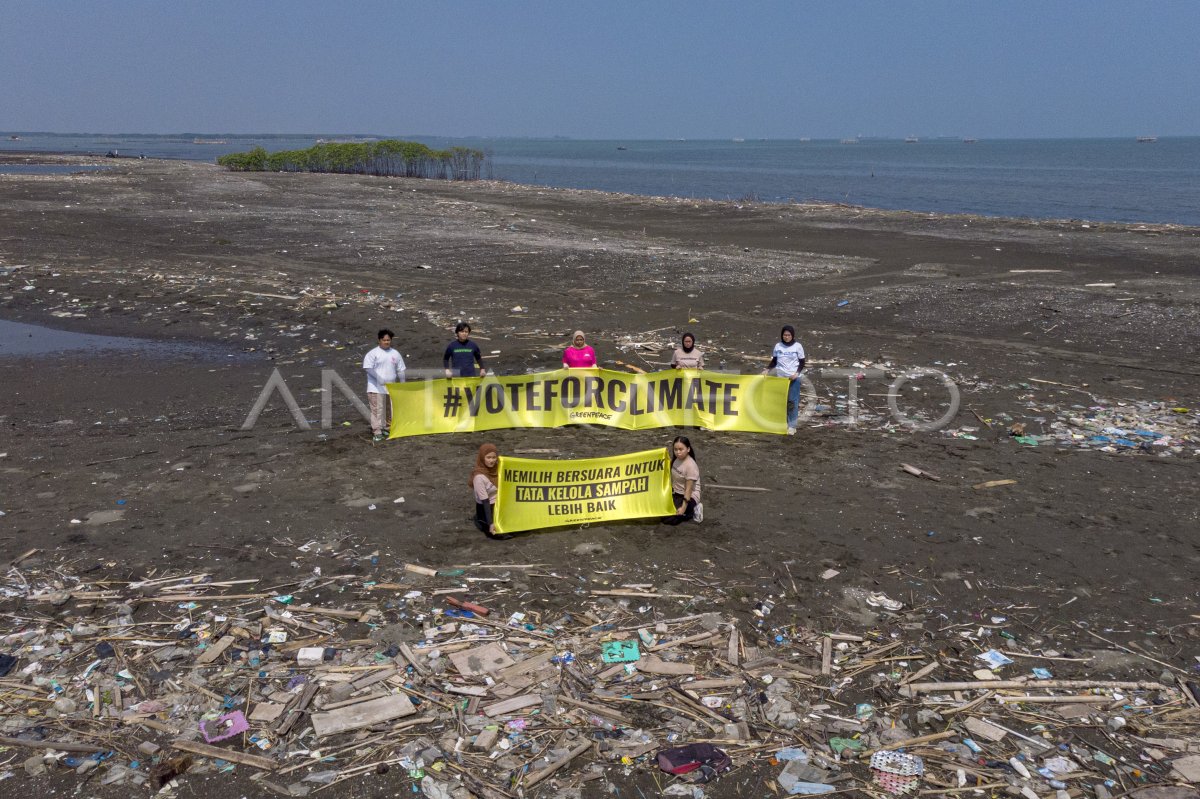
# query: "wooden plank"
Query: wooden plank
337,614
924,671
374,677
653,665
151,724
612,671
364,714
298,705
423,570
691,639
599,710
407,653
481,660
982,728
524,666
534,777
232,755
486,739
469,690
826,655
266,712
994,484
202,597
708,685
511,705
215,650
735,640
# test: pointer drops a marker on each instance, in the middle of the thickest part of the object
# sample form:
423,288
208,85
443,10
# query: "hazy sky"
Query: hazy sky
611,69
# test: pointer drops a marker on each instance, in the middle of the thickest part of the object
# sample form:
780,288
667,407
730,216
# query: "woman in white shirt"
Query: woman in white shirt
787,359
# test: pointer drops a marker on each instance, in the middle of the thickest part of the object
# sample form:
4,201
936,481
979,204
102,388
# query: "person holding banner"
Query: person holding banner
462,354
685,483
383,365
579,355
687,354
483,481
787,359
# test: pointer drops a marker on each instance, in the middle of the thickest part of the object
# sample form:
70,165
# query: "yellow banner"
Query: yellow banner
676,398
533,494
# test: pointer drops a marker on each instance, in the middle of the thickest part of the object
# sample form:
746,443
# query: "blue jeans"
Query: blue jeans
793,402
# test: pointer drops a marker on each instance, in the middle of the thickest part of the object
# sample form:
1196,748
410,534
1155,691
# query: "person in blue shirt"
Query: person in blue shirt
787,359
462,355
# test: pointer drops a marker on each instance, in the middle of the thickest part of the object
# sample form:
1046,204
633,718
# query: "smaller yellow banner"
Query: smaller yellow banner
533,494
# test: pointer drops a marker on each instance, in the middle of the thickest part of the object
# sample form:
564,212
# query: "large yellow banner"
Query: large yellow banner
676,398
533,494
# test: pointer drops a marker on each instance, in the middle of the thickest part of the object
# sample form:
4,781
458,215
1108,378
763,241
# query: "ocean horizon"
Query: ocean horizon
1088,179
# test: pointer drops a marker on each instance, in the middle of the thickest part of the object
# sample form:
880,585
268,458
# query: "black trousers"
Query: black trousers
483,516
689,512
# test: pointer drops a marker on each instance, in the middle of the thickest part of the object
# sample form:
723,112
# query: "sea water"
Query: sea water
1119,180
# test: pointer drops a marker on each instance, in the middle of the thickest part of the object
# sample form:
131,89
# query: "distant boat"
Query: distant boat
739,140
911,140
622,148
970,141
849,141
1147,139
209,141
14,137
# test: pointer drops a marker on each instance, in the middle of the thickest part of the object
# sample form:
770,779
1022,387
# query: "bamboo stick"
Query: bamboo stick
915,688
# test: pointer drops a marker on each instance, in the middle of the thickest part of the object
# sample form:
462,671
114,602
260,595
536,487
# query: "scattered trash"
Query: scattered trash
154,681
994,659
897,772
881,600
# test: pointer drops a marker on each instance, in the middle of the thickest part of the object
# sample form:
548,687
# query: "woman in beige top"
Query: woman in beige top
685,483
687,355
484,477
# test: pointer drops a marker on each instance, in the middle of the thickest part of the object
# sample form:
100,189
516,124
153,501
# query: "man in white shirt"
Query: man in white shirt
383,365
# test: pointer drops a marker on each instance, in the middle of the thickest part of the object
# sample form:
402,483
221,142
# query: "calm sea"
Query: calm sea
1093,179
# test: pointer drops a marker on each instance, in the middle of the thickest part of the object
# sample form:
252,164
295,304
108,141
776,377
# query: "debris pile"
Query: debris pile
471,681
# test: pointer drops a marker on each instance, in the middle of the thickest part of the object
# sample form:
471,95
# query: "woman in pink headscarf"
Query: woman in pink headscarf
579,355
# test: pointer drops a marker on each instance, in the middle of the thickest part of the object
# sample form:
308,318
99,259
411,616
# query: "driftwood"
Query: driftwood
59,746
930,687
913,470
535,777
232,755
1084,699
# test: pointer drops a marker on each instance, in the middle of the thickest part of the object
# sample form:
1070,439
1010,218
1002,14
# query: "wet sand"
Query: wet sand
297,272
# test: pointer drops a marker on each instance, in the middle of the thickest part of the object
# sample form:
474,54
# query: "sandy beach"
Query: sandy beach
132,461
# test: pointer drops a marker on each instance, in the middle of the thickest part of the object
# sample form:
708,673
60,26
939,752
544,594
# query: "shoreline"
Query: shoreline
1134,226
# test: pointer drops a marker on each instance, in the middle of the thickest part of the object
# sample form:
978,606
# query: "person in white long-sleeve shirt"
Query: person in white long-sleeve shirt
383,365
787,360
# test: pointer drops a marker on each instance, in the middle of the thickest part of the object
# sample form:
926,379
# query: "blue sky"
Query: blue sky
615,69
